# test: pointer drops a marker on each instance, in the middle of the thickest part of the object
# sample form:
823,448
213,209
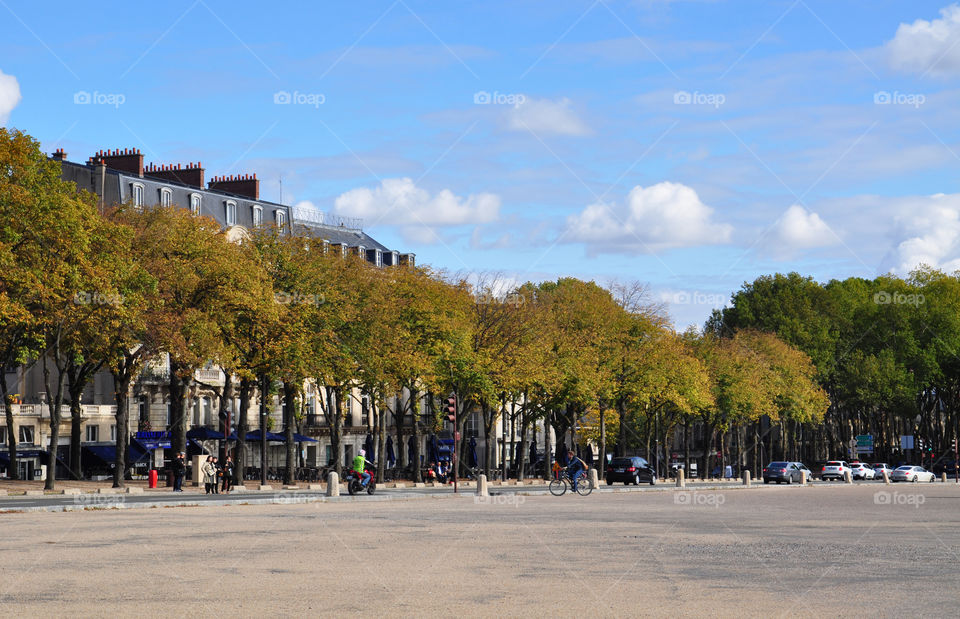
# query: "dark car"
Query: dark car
633,470
780,472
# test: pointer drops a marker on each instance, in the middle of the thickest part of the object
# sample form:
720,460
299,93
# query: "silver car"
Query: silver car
911,473
835,469
859,470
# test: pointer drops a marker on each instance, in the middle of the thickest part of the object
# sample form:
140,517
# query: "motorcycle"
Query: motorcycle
355,484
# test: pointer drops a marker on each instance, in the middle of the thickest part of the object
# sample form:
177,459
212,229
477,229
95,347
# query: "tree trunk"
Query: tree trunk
547,452
178,387
621,449
289,401
243,426
54,406
686,447
121,391
380,432
14,471
415,410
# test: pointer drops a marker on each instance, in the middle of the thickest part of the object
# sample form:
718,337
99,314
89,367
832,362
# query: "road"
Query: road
863,550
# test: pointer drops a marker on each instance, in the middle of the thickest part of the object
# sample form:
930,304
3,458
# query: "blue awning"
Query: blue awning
255,436
299,438
204,434
23,454
105,453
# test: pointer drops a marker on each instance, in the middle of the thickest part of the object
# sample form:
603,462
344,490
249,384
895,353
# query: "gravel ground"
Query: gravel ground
842,551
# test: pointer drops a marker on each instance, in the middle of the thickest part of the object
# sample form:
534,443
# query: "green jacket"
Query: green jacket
358,464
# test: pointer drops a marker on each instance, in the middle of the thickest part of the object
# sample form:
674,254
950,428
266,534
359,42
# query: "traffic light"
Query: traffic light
451,409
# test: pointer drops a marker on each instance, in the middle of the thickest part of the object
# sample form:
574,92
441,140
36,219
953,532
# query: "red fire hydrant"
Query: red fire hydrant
152,478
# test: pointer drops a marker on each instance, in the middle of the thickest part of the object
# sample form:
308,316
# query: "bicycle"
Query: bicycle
558,486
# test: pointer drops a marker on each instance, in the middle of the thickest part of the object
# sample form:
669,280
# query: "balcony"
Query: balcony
209,376
316,421
155,375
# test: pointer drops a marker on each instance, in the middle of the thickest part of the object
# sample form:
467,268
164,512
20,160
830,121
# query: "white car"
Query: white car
859,470
835,469
879,468
911,473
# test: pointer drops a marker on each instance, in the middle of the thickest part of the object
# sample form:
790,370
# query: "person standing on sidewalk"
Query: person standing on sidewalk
179,469
209,472
227,474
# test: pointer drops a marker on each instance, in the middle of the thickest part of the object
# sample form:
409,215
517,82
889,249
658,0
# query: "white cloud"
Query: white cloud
929,233
662,216
399,202
9,95
799,229
543,116
928,45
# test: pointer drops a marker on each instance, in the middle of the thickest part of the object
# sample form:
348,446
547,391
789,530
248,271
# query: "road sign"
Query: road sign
864,443
906,441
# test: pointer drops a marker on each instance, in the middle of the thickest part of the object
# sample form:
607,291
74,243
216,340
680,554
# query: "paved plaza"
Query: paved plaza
860,551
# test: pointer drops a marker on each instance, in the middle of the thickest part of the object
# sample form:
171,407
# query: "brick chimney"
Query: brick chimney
59,155
190,174
128,160
242,184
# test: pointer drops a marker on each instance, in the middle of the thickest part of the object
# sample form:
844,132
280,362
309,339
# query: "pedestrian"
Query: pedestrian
218,473
209,472
179,469
228,470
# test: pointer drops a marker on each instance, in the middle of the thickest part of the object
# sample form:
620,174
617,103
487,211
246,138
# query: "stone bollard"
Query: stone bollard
746,478
886,478
482,489
333,484
681,482
594,479
847,477
943,477
803,478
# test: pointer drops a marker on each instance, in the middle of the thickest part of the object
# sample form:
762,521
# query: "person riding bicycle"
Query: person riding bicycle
359,465
575,467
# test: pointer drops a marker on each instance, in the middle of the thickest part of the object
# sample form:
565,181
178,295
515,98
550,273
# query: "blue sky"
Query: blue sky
688,145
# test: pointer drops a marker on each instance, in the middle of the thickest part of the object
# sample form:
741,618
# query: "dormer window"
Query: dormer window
377,258
230,208
257,215
136,194
280,216
195,203
166,196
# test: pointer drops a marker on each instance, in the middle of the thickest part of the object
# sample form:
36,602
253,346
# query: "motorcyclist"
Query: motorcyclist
360,463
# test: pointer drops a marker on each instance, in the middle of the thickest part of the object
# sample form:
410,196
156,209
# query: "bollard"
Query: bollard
803,478
681,482
333,484
886,478
746,478
943,477
594,479
847,477
482,486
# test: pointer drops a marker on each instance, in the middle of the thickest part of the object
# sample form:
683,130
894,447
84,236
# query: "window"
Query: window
166,197
113,433
280,216
26,434
169,415
377,258
231,213
326,246
136,193
364,409
257,215
195,203
3,435
93,434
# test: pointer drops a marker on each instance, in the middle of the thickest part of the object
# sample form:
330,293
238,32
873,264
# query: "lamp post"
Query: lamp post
263,430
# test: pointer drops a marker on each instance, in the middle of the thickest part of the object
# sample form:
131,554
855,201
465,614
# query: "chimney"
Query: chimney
189,174
245,185
128,160
59,155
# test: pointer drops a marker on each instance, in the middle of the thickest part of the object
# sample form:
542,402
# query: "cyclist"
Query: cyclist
359,465
575,468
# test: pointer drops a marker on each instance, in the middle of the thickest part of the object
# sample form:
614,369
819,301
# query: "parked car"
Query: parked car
947,466
879,468
912,473
782,471
632,470
835,469
859,470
